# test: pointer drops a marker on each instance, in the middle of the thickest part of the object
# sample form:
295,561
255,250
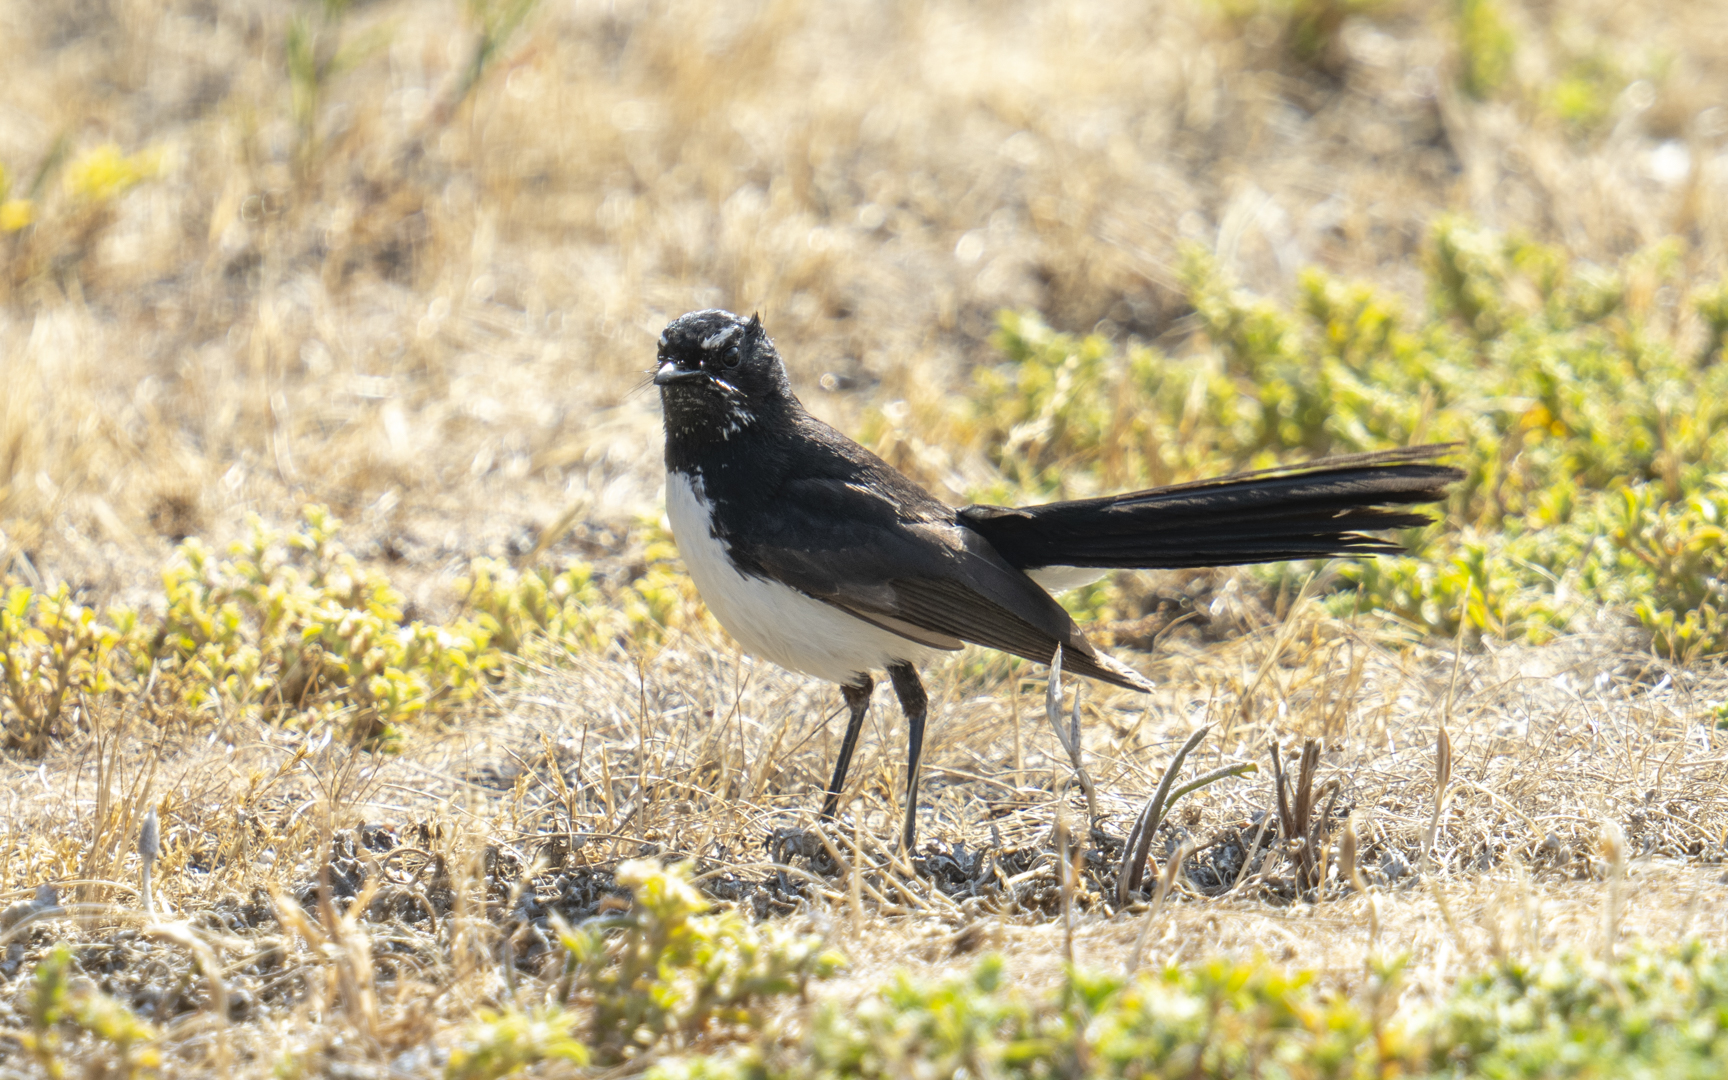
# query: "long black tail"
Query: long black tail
1313,510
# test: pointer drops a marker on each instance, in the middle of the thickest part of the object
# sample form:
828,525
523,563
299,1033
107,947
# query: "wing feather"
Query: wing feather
937,583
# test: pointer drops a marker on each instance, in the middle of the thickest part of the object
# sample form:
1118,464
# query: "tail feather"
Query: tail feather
1314,510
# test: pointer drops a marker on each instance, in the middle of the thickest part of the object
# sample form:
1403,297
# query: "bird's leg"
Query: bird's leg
857,697
916,706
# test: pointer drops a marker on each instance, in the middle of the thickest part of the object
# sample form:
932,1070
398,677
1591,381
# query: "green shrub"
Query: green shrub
679,969
1681,555
293,624
1653,1013
52,650
60,1012
1216,1019
1656,1013
568,609
290,627
968,1025
500,1043
1594,442
1486,47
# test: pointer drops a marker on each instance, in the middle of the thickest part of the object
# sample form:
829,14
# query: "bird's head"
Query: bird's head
718,373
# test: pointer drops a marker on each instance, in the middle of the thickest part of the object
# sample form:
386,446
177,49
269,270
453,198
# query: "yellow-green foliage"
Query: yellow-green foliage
1486,47
501,1043
103,173
680,969
92,179
1712,307
969,1023
14,213
1578,73
673,969
1583,97
291,627
1595,442
1217,1019
568,609
1682,556
60,1012
1654,1013
293,623
52,650
52,227
672,972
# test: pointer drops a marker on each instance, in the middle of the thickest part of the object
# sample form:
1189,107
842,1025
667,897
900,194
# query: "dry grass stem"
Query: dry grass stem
1612,845
1165,880
1136,850
1069,738
1442,785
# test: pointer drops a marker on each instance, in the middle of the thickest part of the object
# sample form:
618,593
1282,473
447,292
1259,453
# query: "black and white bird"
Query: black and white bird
818,555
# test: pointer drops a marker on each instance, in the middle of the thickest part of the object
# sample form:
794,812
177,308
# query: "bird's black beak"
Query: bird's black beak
670,373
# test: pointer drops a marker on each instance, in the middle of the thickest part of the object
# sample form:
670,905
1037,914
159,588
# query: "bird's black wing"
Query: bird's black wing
856,546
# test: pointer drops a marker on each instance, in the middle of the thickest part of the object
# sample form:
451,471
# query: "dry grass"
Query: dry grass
698,752
431,309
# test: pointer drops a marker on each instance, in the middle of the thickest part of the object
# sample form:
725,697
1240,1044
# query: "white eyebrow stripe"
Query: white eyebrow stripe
719,338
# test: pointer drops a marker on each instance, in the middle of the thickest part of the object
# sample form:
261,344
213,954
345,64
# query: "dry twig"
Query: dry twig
1137,850
1069,739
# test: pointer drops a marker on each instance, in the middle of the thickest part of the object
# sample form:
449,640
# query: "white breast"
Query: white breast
771,620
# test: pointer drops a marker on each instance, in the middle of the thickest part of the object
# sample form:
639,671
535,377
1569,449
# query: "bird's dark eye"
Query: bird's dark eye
731,357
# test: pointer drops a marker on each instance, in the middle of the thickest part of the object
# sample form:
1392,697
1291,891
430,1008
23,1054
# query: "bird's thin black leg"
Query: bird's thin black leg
916,706
857,697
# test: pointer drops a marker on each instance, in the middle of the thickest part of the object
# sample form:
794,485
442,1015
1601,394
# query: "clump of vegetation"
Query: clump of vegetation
501,1043
674,976
15,213
53,651
679,970
1216,1019
55,230
1563,72
291,628
1595,442
1486,47
1563,1016
293,625
1654,1013
670,971
545,607
79,1022
104,173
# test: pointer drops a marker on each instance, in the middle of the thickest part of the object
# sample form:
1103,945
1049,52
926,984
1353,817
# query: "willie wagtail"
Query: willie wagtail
820,556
